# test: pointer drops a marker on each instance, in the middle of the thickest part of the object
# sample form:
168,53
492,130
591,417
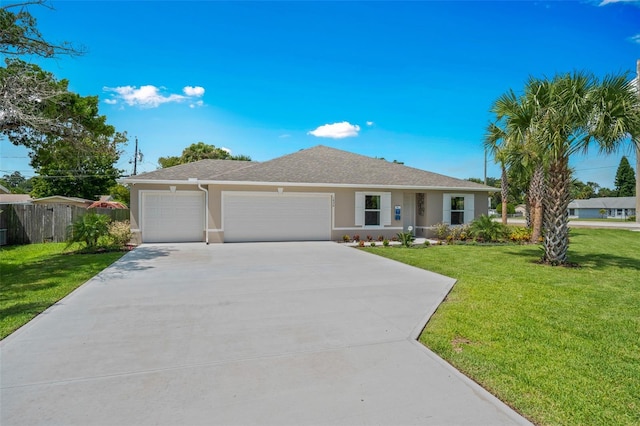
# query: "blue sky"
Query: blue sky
407,81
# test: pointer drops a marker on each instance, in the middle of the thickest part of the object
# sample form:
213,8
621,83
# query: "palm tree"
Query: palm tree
573,112
514,127
492,142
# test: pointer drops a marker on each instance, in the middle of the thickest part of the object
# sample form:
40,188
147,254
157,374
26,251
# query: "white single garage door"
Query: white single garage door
169,217
270,216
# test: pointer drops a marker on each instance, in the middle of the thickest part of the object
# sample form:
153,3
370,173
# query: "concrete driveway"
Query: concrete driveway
273,333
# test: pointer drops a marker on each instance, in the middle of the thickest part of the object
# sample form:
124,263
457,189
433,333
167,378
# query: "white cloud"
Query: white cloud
286,135
606,2
146,96
225,149
635,38
150,96
336,130
370,123
110,101
193,91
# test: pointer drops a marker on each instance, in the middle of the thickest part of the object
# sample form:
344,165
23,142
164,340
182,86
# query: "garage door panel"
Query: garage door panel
277,217
172,217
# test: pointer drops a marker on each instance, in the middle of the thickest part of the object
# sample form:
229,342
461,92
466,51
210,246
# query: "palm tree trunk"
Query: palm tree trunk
504,192
536,198
528,213
556,214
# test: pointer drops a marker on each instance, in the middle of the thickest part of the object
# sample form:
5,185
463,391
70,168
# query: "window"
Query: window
572,212
457,210
371,210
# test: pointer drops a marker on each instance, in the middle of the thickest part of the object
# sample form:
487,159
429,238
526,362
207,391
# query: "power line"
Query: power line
596,168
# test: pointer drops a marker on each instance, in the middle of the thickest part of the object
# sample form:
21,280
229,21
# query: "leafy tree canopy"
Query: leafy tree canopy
82,164
19,33
120,193
72,147
625,179
200,151
33,102
17,183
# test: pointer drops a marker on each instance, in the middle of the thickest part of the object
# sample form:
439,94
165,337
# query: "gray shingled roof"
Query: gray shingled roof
604,203
320,164
203,170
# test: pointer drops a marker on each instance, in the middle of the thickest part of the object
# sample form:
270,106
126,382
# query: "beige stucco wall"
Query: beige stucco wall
344,208
433,209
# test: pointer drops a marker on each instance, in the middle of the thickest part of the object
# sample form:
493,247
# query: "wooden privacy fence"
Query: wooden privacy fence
39,223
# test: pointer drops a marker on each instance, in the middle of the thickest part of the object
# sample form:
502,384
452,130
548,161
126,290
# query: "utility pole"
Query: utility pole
485,166
135,159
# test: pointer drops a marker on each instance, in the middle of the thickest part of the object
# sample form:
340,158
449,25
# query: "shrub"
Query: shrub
346,238
485,229
511,209
369,238
120,233
442,230
385,242
361,243
519,234
631,218
373,244
88,229
356,238
406,238
427,243
458,233
380,238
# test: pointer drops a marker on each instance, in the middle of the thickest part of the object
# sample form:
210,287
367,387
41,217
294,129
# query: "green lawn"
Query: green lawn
35,276
560,345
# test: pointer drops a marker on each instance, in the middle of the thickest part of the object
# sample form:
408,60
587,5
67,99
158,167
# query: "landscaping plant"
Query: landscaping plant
119,233
486,229
88,229
406,238
442,231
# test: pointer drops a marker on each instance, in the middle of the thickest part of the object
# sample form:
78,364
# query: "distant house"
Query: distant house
608,207
15,198
107,205
59,199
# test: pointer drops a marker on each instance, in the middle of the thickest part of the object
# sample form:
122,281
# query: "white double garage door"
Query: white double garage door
246,216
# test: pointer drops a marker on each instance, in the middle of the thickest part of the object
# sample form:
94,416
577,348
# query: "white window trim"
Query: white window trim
385,209
469,209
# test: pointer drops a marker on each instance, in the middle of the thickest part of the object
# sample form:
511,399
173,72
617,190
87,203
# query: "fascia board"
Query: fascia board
305,184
